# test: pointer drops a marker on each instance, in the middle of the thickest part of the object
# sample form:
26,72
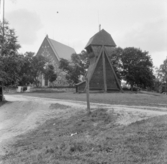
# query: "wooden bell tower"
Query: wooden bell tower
101,74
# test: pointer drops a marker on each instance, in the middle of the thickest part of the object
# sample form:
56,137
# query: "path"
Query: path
24,113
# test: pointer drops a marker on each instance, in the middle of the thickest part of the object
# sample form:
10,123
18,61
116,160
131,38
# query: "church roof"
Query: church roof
62,50
101,38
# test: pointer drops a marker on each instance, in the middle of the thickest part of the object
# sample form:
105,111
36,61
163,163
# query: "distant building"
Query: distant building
54,51
101,75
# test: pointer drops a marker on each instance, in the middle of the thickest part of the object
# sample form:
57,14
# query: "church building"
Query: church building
54,51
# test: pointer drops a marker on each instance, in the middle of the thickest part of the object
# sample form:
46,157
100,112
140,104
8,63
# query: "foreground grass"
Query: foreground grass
94,139
2,103
110,98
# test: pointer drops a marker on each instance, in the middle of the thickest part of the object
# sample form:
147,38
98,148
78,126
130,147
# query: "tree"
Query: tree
81,60
9,43
50,73
116,61
32,68
162,73
137,67
73,70
25,74
11,66
10,60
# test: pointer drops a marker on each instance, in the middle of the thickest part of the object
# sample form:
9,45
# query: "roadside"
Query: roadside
44,130
23,113
130,98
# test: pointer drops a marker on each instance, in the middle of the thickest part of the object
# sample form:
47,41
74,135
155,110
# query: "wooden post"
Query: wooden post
104,72
1,91
87,96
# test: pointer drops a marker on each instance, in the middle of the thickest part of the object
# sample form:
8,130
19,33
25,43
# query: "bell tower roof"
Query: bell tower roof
101,38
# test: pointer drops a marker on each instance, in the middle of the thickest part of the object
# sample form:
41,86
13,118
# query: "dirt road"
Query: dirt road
22,114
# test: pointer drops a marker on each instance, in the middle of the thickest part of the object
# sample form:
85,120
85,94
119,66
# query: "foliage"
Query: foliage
32,67
82,61
162,72
115,57
10,60
64,65
161,77
50,73
75,69
21,69
137,67
10,43
11,66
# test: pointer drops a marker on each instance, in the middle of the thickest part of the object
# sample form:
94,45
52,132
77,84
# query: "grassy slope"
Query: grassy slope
111,98
98,141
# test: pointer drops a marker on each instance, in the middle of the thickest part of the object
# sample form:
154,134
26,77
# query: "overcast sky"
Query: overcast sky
131,23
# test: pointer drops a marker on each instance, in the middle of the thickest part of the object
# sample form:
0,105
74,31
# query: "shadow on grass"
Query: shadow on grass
4,102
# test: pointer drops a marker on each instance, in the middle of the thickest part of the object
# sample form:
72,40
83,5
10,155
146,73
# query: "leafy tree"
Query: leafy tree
10,61
32,68
116,61
73,71
137,67
64,65
163,71
26,70
81,60
2,72
50,73
11,66
9,41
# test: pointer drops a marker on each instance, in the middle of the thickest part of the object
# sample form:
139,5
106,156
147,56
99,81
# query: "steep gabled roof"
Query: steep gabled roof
62,50
101,38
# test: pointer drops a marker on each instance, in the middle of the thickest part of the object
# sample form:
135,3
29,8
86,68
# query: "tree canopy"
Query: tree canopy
163,71
9,43
75,69
137,67
32,67
50,73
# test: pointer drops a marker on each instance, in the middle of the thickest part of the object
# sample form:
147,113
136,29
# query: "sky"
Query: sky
131,23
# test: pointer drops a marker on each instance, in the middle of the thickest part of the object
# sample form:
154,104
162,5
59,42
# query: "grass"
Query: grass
92,139
110,98
2,103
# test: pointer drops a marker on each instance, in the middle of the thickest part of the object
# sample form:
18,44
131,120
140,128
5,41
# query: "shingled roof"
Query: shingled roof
101,38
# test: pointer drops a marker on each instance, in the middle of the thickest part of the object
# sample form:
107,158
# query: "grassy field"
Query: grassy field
93,139
2,103
148,98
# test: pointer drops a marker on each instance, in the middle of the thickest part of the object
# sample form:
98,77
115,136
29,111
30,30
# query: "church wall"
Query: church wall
47,51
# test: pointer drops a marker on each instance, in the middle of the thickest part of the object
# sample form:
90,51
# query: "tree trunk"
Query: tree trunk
131,87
